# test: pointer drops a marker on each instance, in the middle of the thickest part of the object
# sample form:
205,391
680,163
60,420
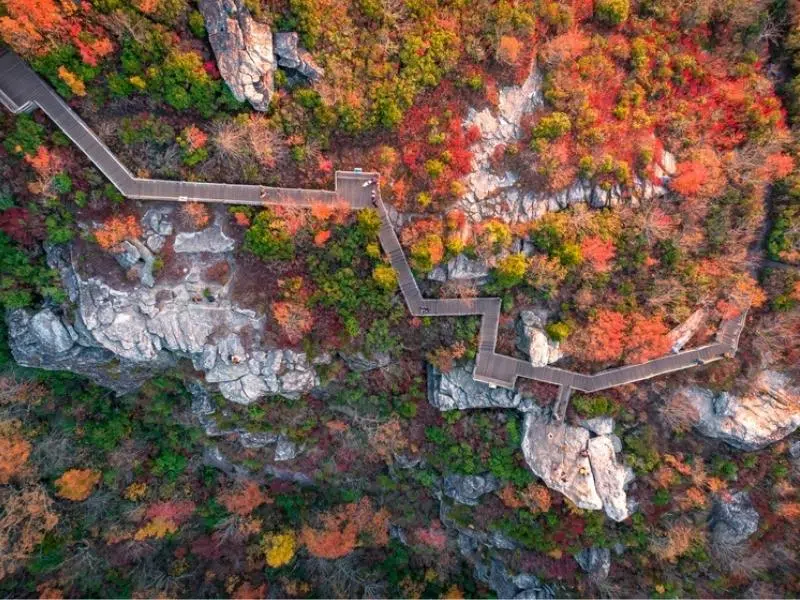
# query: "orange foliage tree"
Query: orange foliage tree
196,214
345,528
26,517
604,338
294,319
14,453
77,484
116,229
702,176
244,499
32,27
509,49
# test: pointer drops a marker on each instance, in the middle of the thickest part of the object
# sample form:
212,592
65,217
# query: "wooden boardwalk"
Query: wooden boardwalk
22,90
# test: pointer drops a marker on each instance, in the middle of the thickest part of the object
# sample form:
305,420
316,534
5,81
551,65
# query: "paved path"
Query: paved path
22,90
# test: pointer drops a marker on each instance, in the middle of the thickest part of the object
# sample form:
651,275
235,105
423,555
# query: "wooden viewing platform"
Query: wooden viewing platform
22,90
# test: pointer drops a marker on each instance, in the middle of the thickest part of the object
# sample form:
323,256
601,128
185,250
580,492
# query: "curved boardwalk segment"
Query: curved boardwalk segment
22,90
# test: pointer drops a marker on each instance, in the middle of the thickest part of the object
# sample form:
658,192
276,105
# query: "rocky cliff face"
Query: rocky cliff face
497,195
768,413
121,337
243,49
579,462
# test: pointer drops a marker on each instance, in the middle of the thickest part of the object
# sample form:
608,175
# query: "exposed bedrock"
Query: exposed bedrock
534,341
768,412
493,194
122,337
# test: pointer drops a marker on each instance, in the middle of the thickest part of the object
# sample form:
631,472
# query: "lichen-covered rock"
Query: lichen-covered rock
212,239
767,413
533,341
243,49
457,389
467,489
733,520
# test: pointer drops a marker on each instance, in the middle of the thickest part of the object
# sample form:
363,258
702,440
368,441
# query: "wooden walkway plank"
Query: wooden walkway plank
21,90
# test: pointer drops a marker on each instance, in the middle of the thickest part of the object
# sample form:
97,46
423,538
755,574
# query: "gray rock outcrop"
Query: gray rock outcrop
497,195
211,239
361,363
467,489
506,585
767,413
534,341
120,338
595,561
457,389
582,468
461,268
46,341
291,56
243,49
733,520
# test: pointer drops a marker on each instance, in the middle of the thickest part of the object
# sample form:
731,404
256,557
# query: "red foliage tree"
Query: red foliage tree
21,226
598,252
647,339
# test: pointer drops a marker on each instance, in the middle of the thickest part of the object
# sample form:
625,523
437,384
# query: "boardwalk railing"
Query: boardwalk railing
22,90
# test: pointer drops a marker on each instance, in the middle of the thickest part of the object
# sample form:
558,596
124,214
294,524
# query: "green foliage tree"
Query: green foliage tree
267,239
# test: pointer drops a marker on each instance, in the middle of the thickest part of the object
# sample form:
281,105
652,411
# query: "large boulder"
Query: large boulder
595,561
767,413
733,520
583,468
534,341
462,268
457,389
243,49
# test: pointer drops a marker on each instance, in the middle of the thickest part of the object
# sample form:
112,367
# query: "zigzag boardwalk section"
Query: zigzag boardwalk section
22,90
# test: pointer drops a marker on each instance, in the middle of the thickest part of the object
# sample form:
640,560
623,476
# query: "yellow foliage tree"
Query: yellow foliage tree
385,276
157,528
74,82
279,548
77,484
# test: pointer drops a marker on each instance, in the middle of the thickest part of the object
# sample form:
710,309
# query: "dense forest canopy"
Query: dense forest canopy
619,169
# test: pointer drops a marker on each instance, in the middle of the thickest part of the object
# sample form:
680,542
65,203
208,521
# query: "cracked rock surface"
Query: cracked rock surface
768,412
583,468
243,48
122,337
